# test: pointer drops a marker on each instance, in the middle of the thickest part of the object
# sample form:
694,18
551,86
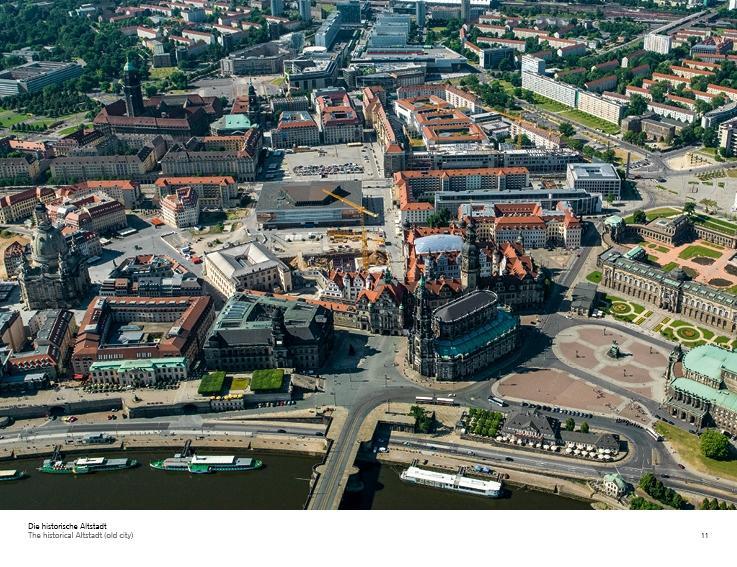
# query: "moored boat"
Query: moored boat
205,464
455,482
11,475
86,465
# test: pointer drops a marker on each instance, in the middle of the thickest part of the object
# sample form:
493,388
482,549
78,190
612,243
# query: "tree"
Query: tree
584,427
439,218
710,138
570,424
639,217
689,208
715,445
637,105
567,129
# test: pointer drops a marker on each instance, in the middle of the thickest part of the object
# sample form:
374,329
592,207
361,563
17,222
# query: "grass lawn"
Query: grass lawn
550,105
212,384
239,384
697,250
70,129
507,86
662,249
591,121
687,447
161,73
715,224
267,379
9,118
655,214
594,277
732,290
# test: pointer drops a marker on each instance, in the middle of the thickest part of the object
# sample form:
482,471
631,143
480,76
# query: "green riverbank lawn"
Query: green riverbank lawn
687,447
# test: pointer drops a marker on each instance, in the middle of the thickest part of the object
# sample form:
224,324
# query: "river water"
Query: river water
280,485
384,490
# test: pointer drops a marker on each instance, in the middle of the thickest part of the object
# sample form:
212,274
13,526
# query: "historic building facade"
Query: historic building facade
701,387
671,291
462,338
56,274
255,331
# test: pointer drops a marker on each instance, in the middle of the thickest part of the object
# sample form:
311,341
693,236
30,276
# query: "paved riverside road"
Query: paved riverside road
544,463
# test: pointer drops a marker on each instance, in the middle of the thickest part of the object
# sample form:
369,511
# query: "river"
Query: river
384,490
280,485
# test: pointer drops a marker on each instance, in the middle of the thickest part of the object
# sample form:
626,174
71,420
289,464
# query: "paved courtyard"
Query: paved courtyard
639,368
706,260
556,388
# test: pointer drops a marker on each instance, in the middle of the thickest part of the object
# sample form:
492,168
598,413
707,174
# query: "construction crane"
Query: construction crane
364,211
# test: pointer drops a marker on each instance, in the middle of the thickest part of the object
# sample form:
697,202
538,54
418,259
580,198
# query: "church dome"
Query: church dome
48,244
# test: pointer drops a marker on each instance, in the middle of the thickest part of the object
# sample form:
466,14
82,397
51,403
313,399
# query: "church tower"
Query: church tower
420,349
470,263
132,88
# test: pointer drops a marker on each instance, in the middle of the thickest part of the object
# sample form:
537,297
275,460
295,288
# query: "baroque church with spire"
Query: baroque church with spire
55,276
460,337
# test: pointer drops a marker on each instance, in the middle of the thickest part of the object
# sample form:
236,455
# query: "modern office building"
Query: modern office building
328,31
277,7
305,10
32,77
309,203
598,178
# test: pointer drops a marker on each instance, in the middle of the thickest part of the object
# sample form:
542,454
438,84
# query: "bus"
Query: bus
434,400
354,144
654,434
498,401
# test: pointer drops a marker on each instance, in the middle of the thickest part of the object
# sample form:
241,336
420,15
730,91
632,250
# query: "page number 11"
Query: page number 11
705,535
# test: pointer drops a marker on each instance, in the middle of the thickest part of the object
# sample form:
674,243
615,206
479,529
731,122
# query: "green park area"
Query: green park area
590,121
696,250
161,73
654,214
716,224
267,379
240,384
594,277
549,104
670,266
624,310
213,384
9,118
688,448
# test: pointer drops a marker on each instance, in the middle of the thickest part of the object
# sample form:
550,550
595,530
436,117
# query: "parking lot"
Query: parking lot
338,161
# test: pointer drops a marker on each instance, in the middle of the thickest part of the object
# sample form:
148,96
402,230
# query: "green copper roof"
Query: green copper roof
613,220
478,338
143,364
130,65
722,398
709,360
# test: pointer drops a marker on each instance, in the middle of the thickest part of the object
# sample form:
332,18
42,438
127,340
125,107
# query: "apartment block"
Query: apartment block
609,110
